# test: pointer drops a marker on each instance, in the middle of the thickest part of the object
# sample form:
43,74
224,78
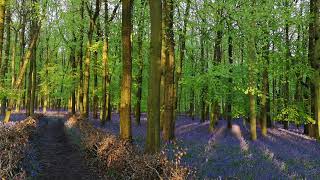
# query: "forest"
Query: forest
159,89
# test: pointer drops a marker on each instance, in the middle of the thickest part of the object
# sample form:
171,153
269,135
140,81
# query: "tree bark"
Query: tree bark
4,67
105,66
316,66
23,69
140,35
252,82
169,94
2,18
179,66
153,127
265,114
126,83
229,98
80,60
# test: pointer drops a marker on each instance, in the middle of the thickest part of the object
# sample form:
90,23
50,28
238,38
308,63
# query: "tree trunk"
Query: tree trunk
4,67
153,127
105,68
140,35
316,66
126,83
252,82
2,18
34,80
265,91
169,95
95,75
287,70
74,69
80,59
86,83
179,67
20,77
217,61
229,98
163,61
203,89
22,50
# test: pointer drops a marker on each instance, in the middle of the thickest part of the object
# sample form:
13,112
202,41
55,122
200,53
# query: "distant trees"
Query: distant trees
210,59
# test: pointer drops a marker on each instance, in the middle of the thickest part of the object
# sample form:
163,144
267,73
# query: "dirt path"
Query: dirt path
59,159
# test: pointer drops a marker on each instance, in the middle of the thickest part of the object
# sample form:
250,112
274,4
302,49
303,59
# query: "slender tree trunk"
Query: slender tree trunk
252,82
13,59
80,57
86,83
4,67
265,91
287,67
20,77
179,66
22,51
192,98
153,128
125,105
217,61
229,98
311,57
29,90
34,80
203,89
316,66
46,90
106,116
169,94
2,18
163,61
140,35
95,76
74,69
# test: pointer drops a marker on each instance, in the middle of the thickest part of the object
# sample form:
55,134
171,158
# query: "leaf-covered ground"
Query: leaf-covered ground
282,154
58,158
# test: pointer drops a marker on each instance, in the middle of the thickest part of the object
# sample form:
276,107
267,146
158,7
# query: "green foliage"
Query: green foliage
294,114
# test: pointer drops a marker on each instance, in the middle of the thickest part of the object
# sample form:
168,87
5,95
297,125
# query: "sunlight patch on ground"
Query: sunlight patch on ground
236,130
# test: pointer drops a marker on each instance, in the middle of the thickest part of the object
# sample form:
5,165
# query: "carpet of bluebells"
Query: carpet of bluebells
283,154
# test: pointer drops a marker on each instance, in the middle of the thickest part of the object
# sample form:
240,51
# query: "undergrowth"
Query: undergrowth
118,159
14,147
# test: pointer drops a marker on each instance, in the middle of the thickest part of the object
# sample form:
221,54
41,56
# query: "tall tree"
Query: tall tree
141,25
229,97
93,15
2,17
106,97
316,66
4,67
179,66
80,60
169,94
153,129
217,60
126,82
252,66
20,77
265,105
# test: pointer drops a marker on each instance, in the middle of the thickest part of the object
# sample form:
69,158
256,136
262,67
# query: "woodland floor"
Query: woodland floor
283,154
58,157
